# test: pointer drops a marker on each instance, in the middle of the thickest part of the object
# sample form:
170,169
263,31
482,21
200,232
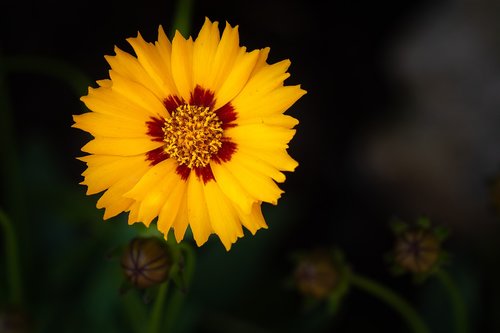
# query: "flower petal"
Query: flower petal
104,171
259,136
99,124
258,185
197,210
230,186
150,59
182,65
170,209
278,158
223,217
106,101
205,47
237,77
225,56
254,220
181,221
128,66
120,146
151,178
258,104
113,200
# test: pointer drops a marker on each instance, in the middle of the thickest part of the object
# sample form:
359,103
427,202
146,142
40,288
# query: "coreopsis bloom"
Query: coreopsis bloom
191,132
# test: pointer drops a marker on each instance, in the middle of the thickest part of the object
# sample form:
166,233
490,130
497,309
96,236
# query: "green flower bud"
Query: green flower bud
417,251
315,275
146,261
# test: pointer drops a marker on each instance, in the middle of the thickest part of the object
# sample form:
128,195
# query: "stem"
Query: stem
391,298
182,17
12,259
177,299
458,304
157,312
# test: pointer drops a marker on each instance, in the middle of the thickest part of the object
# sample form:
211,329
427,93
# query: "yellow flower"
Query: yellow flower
192,132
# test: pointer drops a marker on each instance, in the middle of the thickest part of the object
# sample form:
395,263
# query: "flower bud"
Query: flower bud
315,275
146,261
417,250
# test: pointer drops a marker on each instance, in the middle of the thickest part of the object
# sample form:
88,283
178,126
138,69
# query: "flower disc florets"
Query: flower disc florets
192,135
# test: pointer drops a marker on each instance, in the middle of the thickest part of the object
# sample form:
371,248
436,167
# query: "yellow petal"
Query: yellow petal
113,199
266,79
182,65
133,215
152,190
137,94
281,120
151,60
262,61
278,158
258,165
204,50
223,216
227,51
99,124
265,104
102,175
155,175
181,219
165,52
120,146
259,186
237,77
230,186
254,220
128,66
106,101
259,136
170,209
106,83
197,210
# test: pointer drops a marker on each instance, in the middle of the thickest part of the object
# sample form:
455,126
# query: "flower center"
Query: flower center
192,135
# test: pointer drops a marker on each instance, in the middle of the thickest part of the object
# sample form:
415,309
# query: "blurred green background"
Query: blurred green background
401,120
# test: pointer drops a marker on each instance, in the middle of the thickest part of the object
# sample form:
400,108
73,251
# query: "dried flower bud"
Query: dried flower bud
315,275
146,261
417,250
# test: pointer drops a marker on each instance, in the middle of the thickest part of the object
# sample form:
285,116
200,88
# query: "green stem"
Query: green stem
182,17
391,298
155,321
12,259
458,304
177,299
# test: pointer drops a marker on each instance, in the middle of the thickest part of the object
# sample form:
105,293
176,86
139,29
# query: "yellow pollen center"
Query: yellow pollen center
192,135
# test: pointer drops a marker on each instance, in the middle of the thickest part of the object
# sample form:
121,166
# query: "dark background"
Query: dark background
401,120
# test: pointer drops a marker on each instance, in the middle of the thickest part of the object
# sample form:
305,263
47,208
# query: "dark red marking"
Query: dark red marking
227,115
227,149
173,102
183,171
199,97
155,128
156,156
205,173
